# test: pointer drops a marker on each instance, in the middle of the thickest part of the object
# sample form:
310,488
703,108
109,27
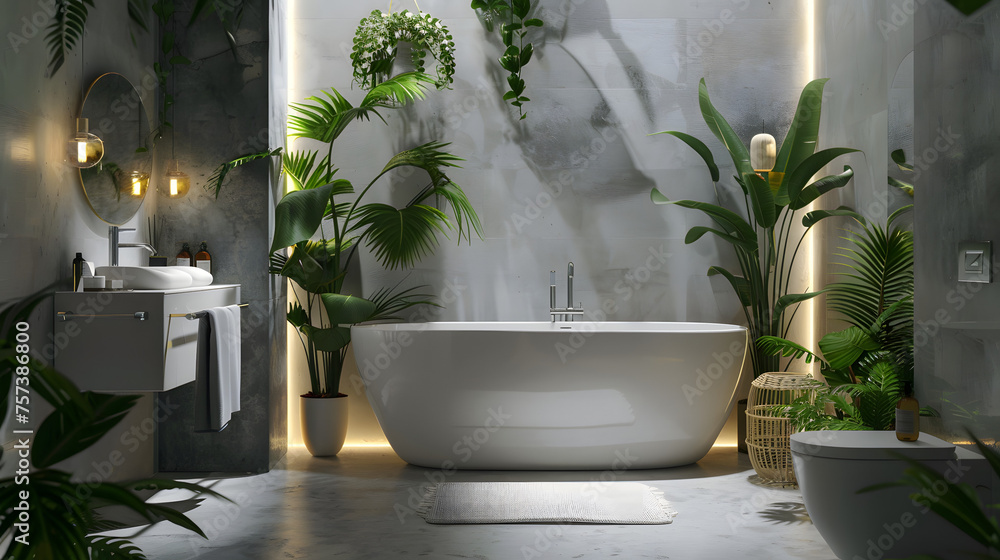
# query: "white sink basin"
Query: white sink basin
147,278
198,276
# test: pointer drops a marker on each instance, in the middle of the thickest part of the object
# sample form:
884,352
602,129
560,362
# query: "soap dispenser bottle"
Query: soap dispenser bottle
78,264
203,259
907,415
184,257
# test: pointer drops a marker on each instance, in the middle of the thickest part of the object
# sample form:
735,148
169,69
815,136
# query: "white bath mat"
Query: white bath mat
618,503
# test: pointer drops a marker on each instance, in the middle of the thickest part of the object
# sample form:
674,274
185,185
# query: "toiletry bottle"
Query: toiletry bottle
203,260
78,270
907,415
184,257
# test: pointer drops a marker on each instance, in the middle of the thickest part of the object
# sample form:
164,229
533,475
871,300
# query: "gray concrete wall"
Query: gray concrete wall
44,216
222,111
572,181
956,145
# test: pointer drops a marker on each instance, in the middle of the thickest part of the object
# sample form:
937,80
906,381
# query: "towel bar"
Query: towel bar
67,315
197,314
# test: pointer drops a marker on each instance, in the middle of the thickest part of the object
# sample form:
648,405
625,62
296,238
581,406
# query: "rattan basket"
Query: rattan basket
767,429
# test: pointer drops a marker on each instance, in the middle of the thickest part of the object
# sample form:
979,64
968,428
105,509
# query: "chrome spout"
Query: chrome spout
552,293
566,313
569,286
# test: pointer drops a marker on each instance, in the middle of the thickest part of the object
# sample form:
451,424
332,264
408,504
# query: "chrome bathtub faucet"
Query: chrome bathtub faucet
569,311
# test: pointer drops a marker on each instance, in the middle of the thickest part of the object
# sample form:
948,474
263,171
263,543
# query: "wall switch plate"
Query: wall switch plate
975,261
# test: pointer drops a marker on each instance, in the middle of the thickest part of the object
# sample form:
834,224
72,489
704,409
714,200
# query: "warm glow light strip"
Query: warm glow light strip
136,186
173,187
81,151
290,336
811,246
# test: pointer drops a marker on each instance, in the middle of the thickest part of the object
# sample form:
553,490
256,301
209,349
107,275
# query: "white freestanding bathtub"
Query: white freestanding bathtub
557,396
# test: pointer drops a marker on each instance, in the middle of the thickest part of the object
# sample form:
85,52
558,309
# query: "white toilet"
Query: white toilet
831,466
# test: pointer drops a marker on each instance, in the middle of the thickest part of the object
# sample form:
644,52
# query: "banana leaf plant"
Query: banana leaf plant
899,158
761,232
64,516
320,204
865,364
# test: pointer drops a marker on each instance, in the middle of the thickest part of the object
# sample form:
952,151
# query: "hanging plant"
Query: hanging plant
512,15
376,44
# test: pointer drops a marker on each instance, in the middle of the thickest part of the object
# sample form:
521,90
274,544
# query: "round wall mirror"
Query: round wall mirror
116,187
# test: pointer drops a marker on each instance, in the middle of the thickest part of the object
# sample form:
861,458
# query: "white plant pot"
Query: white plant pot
324,424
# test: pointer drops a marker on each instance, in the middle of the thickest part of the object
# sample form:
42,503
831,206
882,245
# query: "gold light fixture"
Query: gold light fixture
84,149
763,152
178,183
137,183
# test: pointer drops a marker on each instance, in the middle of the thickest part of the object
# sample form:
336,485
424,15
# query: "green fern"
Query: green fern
66,29
218,177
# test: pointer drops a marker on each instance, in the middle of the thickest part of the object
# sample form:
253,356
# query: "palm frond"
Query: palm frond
879,272
388,302
772,345
809,412
113,548
301,168
66,29
398,90
430,157
325,117
401,237
217,179
878,396
466,219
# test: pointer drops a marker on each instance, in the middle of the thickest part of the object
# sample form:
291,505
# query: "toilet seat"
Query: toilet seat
870,445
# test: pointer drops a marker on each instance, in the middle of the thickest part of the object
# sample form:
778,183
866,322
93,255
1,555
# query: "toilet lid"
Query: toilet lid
871,445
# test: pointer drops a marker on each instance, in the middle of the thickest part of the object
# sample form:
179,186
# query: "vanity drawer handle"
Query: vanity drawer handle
67,315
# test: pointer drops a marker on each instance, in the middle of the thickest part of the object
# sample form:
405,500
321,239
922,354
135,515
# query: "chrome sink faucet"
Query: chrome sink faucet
114,244
569,311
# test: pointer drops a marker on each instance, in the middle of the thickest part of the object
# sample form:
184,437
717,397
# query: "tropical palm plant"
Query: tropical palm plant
321,203
866,363
763,240
63,515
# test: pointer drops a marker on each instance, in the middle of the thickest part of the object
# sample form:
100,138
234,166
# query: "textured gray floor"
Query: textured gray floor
359,505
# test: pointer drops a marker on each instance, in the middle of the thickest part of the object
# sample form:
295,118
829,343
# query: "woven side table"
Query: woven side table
767,429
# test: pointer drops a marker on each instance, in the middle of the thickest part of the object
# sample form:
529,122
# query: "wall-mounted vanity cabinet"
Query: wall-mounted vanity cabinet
132,341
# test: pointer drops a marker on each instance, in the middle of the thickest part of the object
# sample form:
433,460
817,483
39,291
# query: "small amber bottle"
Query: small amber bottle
907,415
184,257
203,259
